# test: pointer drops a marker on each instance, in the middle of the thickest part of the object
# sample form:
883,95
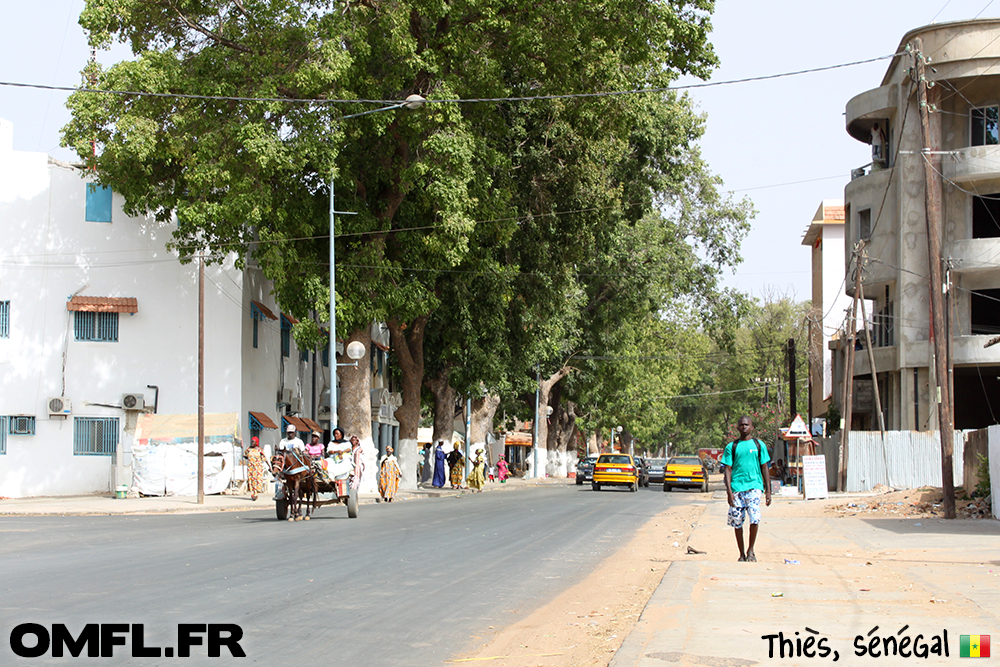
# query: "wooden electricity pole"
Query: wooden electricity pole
847,405
932,205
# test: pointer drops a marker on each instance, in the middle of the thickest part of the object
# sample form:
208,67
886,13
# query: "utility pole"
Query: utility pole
201,379
791,377
871,365
932,206
847,407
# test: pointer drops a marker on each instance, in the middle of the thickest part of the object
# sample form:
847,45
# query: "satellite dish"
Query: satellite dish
355,350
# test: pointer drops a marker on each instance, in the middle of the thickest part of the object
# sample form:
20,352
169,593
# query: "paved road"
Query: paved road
405,584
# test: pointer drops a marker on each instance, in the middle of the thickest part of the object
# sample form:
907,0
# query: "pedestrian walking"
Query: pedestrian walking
502,472
477,476
745,460
256,468
389,475
456,466
439,465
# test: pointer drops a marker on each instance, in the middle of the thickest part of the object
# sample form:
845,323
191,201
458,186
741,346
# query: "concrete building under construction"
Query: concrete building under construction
884,206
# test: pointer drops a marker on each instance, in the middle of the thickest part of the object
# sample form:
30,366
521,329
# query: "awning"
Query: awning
263,420
313,426
291,320
103,304
264,310
297,423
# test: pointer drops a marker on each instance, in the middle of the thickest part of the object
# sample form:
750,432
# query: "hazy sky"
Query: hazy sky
781,142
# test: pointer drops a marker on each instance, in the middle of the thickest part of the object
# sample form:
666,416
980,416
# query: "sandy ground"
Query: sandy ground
923,503
584,626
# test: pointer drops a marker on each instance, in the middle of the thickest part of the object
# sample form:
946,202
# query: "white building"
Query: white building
95,313
825,237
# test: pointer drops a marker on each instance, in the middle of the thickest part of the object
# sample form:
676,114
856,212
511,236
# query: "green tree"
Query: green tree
252,176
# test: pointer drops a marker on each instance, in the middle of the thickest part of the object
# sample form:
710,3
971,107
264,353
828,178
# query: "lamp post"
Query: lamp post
411,102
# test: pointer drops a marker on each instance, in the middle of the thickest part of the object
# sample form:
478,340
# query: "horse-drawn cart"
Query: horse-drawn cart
303,482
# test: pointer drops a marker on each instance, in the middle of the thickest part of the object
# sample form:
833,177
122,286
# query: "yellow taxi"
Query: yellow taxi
685,471
615,470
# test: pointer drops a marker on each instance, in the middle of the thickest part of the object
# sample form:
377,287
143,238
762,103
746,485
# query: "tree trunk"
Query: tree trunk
355,408
408,344
483,410
593,443
544,391
562,429
444,406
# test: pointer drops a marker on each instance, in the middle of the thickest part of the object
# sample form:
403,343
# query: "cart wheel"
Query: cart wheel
352,504
281,509
595,486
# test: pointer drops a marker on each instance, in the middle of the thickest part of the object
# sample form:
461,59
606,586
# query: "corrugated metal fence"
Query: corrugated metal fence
914,459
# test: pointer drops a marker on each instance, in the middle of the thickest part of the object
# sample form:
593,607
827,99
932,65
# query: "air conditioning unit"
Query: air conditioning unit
133,401
296,405
285,397
59,406
324,411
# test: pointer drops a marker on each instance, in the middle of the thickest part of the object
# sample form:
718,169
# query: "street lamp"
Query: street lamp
411,102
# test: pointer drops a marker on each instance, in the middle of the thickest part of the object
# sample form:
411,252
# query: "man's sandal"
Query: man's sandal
751,558
742,559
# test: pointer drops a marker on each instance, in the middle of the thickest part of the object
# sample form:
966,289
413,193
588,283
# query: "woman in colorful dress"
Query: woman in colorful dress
256,468
502,472
477,476
389,475
456,466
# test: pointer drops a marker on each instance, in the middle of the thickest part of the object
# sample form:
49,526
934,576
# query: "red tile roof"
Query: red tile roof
103,304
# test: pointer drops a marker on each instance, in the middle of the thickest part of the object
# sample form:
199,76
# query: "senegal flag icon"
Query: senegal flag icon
974,646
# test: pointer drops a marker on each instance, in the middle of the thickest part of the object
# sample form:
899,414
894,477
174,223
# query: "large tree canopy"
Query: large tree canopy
567,219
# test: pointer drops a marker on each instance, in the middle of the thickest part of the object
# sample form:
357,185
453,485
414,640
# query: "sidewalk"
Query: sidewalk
104,504
852,575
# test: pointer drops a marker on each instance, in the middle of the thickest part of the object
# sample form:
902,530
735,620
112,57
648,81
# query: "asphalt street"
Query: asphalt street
411,583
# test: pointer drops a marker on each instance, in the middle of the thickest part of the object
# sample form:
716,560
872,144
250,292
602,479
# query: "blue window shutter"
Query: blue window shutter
98,203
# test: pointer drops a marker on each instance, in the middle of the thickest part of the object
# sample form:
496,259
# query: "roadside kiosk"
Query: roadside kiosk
806,468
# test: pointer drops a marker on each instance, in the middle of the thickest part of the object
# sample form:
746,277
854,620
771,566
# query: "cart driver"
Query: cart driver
290,441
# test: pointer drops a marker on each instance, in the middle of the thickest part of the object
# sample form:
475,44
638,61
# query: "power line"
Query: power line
293,100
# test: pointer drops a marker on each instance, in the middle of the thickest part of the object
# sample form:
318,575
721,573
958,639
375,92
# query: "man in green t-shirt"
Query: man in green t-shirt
746,475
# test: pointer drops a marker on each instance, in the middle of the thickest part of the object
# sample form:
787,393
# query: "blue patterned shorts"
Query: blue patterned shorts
746,501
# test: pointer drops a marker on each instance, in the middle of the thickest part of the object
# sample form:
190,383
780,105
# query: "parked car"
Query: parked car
686,472
656,467
615,470
643,468
585,469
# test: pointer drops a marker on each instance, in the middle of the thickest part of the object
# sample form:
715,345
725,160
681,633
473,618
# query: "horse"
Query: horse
296,471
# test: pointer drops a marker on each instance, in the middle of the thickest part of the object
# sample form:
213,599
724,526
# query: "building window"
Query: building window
885,335
985,311
21,425
286,336
95,436
95,326
4,319
864,224
985,125
98,203
326,354
255,321
304,356
3,435
986,216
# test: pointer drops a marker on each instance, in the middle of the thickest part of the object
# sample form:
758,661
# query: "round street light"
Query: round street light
355,350
414,101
